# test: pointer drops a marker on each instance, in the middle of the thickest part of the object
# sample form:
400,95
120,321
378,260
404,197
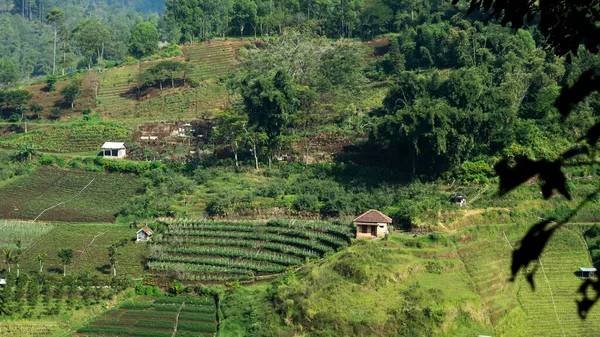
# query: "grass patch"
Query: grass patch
12,231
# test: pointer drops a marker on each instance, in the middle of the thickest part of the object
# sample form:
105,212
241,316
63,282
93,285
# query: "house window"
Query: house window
115,153
364,229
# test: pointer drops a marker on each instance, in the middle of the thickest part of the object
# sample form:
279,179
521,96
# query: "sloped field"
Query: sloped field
211,59
213,251
88,242
75,138
165,317
550,310
27,196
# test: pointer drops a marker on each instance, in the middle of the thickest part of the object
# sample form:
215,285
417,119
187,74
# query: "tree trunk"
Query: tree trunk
114,270
172,82
255,156
235,155
54,62
18,270
41,267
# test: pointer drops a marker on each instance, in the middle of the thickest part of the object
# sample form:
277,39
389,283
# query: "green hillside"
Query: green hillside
460,281
53,194
550,310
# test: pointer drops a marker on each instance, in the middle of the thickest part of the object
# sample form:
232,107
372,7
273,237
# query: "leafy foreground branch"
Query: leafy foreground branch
568,27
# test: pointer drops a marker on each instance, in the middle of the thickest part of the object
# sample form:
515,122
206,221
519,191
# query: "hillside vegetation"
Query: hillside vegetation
442,285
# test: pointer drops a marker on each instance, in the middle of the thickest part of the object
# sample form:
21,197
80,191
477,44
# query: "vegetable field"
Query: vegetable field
75,138
214,251
211,59
165,317
27,196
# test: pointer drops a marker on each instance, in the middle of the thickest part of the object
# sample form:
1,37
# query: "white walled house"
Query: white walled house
144,234
114,150
372,224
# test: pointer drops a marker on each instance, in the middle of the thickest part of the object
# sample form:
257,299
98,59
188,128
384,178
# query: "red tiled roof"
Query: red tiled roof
373,216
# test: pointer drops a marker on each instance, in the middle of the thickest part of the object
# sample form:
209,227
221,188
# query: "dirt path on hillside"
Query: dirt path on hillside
177,319
86,247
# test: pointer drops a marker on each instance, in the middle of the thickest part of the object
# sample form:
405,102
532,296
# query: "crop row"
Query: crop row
187,308
195,268
291,224
192,316
116,331
282,248
213,278
325,238
236,252
196,327
257,267
288,240
187,300
145,314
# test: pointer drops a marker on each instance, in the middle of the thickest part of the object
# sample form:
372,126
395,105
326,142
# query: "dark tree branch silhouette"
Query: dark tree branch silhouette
566,25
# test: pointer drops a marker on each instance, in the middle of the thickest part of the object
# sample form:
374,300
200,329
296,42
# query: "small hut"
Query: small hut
459,199
2,282
587,272
372,224
114,150
144,234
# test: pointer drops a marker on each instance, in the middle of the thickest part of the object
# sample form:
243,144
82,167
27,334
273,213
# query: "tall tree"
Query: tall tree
91,38
9,73
71,92
144,39
270,101
56,18
244,13
66,257
229,130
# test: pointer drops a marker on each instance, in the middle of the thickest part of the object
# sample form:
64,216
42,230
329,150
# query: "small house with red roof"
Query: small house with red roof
372,224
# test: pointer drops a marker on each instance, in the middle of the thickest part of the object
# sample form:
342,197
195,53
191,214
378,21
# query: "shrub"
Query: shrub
51,82
15,117
176,288
306,202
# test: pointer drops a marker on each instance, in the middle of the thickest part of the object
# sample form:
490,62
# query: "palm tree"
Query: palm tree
41,258
25,151
66,256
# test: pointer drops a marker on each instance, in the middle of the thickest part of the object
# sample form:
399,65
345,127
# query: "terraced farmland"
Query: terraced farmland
213,251
212,59
164,317
26,197
75,138
550,310
114,84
